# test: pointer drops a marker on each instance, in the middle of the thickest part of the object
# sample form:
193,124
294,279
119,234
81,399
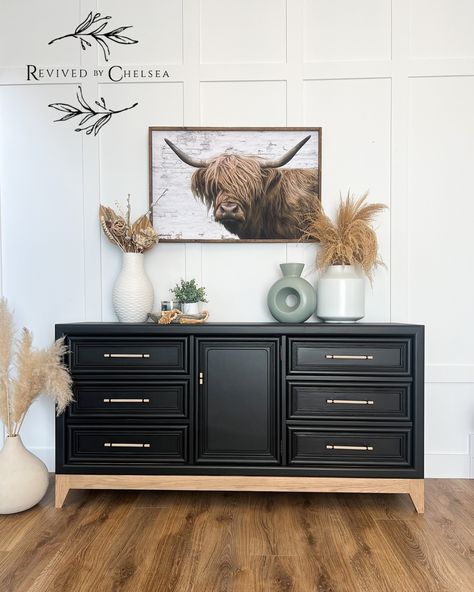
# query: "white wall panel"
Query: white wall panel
257,104
27,28
441,213
124,165
449,417
41,208
42,231
355,117
156,25
441,28
238,277
243,31
346,30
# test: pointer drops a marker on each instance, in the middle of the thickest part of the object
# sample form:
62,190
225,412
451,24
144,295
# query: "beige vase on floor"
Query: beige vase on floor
23,477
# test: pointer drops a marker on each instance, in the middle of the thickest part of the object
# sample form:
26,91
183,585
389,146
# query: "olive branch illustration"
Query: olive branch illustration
92,28
103,115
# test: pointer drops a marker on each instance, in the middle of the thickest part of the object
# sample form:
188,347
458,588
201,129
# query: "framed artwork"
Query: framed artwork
234,184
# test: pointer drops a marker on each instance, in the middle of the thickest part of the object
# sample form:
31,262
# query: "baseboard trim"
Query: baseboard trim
413,487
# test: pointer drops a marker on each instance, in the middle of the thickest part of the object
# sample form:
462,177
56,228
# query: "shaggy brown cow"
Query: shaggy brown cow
253,198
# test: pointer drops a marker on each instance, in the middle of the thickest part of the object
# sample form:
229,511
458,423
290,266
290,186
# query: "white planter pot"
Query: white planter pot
341,294
23,477
133,292
191,308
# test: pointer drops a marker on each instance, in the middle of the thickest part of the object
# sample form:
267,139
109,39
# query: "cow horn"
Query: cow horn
194,162
273,164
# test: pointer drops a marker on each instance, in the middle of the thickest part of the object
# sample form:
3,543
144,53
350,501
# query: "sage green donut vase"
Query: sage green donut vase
292,299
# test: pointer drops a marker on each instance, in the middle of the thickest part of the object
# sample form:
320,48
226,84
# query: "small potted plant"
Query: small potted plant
348,251
190,295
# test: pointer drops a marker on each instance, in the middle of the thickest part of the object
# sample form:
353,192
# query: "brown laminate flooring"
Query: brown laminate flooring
242,542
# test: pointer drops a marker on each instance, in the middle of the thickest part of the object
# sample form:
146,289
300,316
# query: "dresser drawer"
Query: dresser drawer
147,355
308,400
338,356
164,399
355,447
128,444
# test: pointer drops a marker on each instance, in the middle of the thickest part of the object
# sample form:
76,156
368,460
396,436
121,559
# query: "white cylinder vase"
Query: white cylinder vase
341,294
23,477
133,291
191,308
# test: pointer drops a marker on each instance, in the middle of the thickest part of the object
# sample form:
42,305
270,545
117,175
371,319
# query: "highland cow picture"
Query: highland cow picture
234,184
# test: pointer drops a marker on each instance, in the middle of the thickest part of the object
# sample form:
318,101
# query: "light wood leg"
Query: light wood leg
61,490
417,494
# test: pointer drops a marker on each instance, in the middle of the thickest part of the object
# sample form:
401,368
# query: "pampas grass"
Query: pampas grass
26,373
350,239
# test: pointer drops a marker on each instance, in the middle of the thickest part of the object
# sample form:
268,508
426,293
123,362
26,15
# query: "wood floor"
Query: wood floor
242,542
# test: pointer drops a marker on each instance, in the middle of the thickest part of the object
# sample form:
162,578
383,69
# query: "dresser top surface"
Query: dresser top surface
303,329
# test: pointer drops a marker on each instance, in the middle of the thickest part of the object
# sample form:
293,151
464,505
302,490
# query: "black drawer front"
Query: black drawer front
345,401
164,399
152,355
387,447
372,356
167,444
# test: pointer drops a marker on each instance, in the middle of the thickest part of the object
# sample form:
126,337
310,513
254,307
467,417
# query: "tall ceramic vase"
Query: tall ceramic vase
23,477
133,292
341,294
291,299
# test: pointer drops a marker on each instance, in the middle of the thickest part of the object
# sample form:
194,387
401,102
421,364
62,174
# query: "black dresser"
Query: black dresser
306,407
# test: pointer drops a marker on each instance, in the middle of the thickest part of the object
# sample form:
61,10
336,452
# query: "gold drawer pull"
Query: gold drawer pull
126,355
348,402
347,357
341,447
126,400
124,445
201,377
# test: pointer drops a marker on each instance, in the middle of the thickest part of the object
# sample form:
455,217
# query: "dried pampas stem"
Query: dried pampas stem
6,339
32,373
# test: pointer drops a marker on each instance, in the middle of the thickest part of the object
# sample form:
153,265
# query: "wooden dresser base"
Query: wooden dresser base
414,487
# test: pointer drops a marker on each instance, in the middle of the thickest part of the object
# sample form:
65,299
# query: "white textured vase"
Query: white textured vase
133,292
23,477
341,294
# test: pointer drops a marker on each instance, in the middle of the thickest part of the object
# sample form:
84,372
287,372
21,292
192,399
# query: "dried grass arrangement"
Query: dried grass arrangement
25,373
350,239
130,237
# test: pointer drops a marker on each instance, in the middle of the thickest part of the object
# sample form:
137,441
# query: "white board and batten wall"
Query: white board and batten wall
390,83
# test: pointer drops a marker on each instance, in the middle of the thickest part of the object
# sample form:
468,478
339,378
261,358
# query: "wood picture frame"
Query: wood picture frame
207,212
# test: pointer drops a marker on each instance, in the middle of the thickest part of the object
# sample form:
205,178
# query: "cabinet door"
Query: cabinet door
237,402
